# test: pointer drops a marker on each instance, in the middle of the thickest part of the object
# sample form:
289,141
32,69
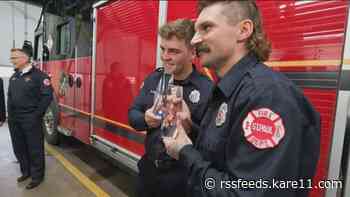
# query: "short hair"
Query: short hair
20,50
16,49
182,29
236,11
27,48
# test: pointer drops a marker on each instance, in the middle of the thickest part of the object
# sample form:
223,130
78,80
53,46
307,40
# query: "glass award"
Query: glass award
173,104
159,101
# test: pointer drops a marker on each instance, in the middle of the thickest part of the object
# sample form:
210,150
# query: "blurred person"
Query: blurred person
2,103
29,96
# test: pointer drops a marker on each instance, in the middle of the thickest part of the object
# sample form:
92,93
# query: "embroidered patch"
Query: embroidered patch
263,128
194,96
221,116
46,82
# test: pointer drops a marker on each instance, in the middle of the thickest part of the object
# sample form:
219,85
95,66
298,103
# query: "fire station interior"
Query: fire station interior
97,54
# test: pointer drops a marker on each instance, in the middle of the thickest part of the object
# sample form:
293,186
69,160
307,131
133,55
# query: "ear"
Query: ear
246,28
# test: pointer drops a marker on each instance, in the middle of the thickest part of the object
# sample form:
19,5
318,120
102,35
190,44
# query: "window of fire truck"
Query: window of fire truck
38,47
64,39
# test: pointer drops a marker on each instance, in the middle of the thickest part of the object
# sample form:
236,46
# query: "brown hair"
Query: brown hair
16,49
20,50
237,11
182,29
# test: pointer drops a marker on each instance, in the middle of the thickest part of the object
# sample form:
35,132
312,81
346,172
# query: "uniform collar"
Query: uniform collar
26,69
232,78
192,78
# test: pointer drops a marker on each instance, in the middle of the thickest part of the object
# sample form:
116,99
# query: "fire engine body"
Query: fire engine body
99,53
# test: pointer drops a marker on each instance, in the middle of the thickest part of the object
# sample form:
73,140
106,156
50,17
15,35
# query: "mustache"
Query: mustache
202,48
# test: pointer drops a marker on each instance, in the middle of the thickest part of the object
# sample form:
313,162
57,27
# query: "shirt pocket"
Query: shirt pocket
214,145
31,88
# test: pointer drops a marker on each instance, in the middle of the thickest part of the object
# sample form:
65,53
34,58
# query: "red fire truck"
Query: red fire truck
98,54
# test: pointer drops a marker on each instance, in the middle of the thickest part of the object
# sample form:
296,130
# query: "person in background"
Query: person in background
29,95
2,103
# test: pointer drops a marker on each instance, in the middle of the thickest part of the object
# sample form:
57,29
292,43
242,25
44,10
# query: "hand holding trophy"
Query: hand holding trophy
173,106
166,105
159,101
151,119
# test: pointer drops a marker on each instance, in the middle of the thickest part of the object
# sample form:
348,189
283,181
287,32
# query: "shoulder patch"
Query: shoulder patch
46,82
263,128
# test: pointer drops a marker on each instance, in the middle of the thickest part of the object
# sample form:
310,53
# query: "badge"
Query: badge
221,116
46,82
194,96
263,128
26,79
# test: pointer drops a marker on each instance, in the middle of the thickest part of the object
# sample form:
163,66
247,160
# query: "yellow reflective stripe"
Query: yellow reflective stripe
84,180
116,123
312,63
101,118
75,109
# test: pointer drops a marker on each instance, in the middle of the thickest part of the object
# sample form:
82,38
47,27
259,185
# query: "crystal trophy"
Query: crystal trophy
173,104
159,101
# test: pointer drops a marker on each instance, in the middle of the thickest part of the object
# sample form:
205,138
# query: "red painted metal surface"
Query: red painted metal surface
302,30
309,68
297,30
325,103
185,9
56,68
83,94
125,55
309,31
78,98
123,142
182,9
82,99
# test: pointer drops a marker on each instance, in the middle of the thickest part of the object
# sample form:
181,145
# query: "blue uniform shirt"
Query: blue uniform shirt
258,126
29,94
194,82
2,102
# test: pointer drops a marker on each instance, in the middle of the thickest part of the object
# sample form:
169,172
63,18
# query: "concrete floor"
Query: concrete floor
98,168
58,181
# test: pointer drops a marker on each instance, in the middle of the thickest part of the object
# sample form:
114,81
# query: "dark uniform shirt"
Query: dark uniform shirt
29,94
258,126
195,83
2,102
